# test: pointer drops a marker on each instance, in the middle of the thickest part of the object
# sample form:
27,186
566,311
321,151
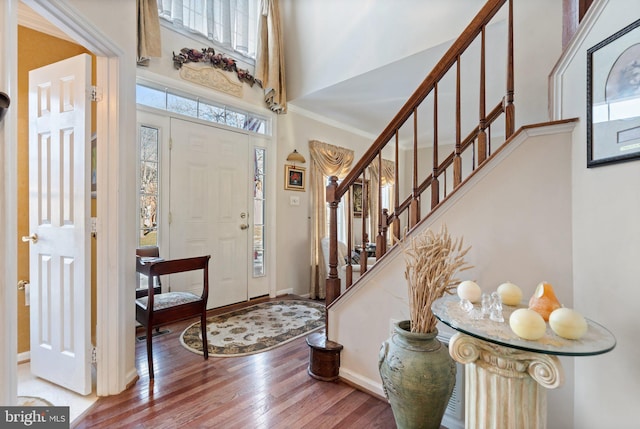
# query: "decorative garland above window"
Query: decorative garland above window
208,55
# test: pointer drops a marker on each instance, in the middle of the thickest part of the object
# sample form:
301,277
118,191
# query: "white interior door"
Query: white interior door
59,215
209,206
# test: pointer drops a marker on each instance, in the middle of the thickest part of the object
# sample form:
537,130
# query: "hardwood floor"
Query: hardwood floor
266,390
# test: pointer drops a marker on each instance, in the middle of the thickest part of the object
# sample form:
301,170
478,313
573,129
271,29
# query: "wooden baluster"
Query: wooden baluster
383,215
349,268
510,113
365,214
457,161
396,192
381,242
435,184
333,281
414,208
482,135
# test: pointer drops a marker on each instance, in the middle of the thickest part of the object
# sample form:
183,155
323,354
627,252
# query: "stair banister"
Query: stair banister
336,191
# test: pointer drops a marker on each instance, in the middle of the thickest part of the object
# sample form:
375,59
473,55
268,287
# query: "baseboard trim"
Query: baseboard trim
284,292
361,383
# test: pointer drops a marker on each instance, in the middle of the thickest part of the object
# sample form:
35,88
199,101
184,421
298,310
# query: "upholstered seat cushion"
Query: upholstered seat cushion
169,299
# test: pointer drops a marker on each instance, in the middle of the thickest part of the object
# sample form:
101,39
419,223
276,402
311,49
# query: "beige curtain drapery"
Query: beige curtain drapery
326,160
388,177
149,44
270,57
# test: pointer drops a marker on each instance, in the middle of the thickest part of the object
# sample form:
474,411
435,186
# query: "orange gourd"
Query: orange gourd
544,300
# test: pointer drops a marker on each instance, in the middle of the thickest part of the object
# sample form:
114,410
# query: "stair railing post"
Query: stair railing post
435,184
509,109
414,207
381,240
396,190
333,281
457,160
482,135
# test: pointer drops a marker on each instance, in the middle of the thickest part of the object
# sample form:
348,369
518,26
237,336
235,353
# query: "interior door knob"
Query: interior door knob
244,226
32,238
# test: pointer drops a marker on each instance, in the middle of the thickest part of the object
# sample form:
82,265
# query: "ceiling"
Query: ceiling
356,63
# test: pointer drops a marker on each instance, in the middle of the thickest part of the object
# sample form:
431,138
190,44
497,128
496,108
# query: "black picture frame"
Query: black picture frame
613,98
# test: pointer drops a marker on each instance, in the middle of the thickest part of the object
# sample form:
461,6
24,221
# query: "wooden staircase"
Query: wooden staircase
428,188
432,176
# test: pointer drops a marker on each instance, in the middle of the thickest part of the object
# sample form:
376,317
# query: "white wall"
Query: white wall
8,200
295,130
606,243
112,29
516,216
537,46
336,40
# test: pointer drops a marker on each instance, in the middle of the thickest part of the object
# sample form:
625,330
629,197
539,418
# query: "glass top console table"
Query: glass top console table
506,377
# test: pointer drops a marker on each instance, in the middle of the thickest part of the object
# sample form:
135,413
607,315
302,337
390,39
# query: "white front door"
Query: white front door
209,205
59,219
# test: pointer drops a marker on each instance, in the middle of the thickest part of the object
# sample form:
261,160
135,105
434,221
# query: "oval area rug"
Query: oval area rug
257,328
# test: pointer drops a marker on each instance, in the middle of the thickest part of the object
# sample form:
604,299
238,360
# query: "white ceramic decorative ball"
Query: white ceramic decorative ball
469,290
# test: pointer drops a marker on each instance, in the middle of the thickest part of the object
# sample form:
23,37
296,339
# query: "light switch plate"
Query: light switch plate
294,200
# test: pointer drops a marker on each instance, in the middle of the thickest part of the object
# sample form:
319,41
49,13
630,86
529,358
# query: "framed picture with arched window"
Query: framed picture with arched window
613,98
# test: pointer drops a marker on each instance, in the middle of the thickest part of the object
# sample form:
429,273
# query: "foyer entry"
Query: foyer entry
209,200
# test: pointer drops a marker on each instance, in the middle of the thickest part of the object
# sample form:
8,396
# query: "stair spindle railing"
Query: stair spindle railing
444,177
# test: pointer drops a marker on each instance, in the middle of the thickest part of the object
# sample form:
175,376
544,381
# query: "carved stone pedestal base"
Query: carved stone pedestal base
505,387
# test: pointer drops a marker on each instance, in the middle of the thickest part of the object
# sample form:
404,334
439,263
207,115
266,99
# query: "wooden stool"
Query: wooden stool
324,357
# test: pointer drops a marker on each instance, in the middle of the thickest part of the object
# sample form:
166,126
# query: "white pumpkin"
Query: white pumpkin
527,324
469,290
510,294
568,323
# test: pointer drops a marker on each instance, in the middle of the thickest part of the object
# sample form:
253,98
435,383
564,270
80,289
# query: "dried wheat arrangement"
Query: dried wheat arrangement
432,261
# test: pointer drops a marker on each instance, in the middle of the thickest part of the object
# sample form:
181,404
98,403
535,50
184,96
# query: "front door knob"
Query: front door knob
244,226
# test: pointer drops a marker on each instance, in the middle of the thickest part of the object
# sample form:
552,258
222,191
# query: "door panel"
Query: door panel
59,215
208,197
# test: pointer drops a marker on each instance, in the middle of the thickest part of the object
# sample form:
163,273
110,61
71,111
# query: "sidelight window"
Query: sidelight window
258,212
149,140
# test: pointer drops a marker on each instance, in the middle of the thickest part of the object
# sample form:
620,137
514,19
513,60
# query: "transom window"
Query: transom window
201,109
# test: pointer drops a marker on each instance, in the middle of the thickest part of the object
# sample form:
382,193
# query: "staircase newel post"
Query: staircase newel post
333,281
324,354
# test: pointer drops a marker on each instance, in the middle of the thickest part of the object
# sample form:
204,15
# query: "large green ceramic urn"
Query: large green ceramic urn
418,377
